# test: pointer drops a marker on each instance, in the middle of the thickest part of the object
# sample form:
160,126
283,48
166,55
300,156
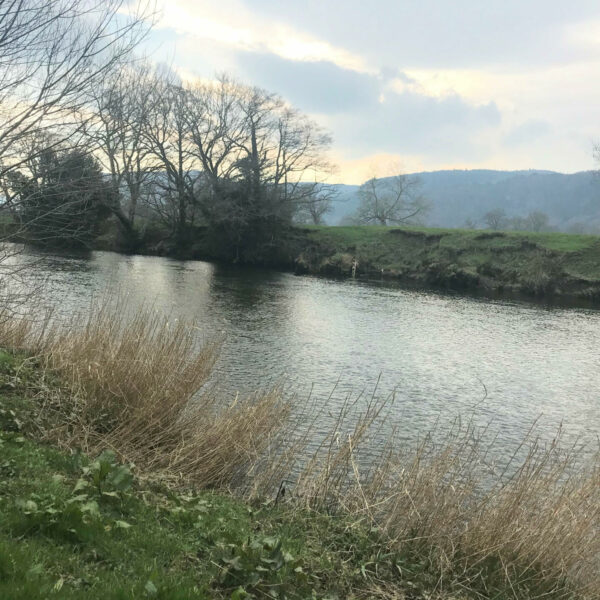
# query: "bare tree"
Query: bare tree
495,219
300,150
391,201
222,154
537,221
260,158
121,110
167,133
217,127
51,53
312,209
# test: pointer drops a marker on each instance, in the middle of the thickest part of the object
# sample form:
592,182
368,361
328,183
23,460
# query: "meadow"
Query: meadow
532,264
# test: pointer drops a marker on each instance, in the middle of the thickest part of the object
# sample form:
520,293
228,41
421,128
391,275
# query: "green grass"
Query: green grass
76,527
349,235
79,527
521,262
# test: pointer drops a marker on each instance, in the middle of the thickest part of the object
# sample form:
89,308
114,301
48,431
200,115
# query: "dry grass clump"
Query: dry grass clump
134,383
531,526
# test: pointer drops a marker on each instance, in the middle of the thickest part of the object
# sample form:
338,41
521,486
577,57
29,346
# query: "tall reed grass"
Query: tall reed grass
137,384
531,524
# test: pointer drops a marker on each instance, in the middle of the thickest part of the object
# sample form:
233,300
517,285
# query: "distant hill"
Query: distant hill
572,202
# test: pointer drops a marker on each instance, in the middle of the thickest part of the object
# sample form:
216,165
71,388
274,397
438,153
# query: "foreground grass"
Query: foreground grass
63,536
72,527
523,262
201,514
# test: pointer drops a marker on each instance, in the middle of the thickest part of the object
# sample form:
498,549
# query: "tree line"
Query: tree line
102,134
497,219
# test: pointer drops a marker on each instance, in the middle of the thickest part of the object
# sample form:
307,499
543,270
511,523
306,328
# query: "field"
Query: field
536,264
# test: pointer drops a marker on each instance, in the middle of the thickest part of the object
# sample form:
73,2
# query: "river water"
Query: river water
506,364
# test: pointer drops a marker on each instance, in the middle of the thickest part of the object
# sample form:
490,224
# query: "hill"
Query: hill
571,201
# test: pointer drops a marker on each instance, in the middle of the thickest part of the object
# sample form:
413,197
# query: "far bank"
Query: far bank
555,267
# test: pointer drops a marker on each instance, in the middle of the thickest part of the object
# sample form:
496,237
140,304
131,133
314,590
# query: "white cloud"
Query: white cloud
231,24
585,33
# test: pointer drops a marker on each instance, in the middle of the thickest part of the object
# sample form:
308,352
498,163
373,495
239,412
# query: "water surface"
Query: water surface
508,363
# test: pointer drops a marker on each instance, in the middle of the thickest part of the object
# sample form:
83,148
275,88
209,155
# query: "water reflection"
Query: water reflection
440,354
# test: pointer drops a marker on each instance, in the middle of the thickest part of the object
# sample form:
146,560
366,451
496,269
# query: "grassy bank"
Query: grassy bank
533,264
560,266
72,527
123,477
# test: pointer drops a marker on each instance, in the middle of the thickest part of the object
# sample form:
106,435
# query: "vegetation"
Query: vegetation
63,198
157,506
496,219
538,264
71,527
390,201
234,159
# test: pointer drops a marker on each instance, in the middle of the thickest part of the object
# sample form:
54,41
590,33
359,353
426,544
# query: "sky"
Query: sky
410,85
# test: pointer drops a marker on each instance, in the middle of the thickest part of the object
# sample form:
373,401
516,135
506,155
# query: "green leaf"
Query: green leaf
27,506
76,499
150,588
80,485
107,457
271,543
239,594
91,508
122,524
120,478
34,571
234,563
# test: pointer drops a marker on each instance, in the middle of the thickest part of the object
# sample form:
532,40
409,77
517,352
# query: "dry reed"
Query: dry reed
134,383
533,524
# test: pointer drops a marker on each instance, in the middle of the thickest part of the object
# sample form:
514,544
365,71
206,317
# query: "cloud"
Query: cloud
468,84
526,133
232,24
317,87
371,114
437,34
410,123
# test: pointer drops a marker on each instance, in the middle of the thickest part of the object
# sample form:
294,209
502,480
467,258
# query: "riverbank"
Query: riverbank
553,267
77,527
548,266
121,478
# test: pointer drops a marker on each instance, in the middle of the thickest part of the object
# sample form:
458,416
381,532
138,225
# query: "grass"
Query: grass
545,264
135,384
73,527
565,242
125,478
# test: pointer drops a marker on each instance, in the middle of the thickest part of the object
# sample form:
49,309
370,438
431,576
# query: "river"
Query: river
506,364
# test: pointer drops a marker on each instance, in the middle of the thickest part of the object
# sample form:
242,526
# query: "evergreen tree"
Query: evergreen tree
63,199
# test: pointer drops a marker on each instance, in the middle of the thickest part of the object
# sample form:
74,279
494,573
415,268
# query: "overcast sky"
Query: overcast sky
425,84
